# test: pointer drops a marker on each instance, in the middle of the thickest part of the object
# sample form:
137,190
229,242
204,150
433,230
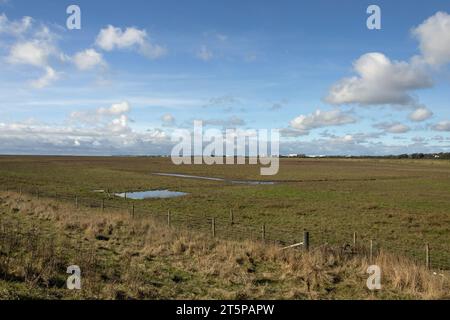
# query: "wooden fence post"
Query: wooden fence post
354,239
76,202
213,227
427,256
263,233
168,218
125,196
132,210
231,217
371,252
103,205
306,240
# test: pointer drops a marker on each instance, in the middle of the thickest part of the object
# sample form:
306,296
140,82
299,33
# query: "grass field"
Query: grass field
121,257
400,204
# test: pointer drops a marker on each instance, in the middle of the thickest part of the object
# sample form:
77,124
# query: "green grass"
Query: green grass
401,204
124,257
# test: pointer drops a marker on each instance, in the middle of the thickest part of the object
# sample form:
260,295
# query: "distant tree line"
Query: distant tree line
440,155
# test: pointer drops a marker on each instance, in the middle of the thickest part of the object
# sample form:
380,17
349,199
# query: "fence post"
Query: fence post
354,239
213,226
76,202
427,256
263,233
132,210
168,218
37,193
103,205
231,217
125,196
371,252
306,240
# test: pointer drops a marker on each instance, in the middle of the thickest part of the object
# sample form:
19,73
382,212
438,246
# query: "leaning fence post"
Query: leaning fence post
168,218
306,240
427,256
231,217
213,227
371,252
263,233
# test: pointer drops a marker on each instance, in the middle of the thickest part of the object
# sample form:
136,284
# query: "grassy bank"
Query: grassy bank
125,258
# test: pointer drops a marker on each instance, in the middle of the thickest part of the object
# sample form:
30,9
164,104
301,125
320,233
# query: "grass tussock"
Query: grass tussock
125,258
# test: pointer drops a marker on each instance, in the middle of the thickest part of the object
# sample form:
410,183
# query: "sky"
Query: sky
138,70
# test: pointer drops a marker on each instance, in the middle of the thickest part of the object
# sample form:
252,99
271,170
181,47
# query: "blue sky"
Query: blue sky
137,70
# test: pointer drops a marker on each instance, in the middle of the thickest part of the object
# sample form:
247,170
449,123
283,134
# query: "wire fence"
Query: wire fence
434,256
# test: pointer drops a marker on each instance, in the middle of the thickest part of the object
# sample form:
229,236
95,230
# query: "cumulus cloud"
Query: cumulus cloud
420,114
49,76
88,59
114,117
17,27
111,38
442,126
34,53
115,109
380,81
42,138
34,46
434,39
168,120
319,119
392,127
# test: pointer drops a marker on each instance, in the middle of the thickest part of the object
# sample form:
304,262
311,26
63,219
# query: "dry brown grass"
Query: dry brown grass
126,258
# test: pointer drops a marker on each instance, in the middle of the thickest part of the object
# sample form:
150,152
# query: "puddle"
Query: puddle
152,194
248,182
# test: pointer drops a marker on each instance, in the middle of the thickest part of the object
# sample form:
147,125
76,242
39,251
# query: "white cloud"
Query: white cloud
97,116
293,133
115,138
50,76
434,38
88,59
442,126
16,27
119,124
115,109
320,119
168,120
111,38
394,127
204,54
34,53
34,46
420,114
380,81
